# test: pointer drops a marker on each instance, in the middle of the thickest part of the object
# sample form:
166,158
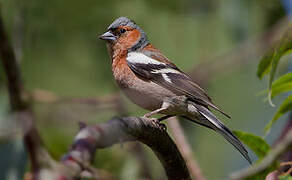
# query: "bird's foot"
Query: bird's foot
157,124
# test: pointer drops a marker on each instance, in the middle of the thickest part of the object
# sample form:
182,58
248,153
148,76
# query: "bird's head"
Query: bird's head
125,34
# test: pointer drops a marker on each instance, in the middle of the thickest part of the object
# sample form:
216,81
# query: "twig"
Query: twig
11,69
282,147
18,105
185,148
45,96
109,102
289,163
127,129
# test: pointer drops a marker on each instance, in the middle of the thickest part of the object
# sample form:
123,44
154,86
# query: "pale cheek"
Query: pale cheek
132,39
128,41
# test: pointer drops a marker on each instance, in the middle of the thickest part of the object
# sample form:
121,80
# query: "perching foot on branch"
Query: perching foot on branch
157,124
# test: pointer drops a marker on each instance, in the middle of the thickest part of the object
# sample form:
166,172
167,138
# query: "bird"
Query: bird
150,80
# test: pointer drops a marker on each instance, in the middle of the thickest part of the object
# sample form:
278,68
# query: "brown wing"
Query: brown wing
164,73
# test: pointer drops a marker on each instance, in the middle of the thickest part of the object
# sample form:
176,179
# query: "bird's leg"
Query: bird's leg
165,106
157,121
148,115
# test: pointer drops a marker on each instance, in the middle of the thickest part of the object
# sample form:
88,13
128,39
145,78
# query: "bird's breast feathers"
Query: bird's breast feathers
140,90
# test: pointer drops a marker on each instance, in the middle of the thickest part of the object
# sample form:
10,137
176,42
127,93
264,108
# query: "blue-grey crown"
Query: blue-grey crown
124,21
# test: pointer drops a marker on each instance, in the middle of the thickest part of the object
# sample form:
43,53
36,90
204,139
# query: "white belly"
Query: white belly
147,95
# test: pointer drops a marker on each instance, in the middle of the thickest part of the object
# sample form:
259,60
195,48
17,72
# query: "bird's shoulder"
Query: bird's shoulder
157,55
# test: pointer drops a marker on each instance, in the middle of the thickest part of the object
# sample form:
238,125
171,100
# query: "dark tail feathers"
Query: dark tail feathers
212,122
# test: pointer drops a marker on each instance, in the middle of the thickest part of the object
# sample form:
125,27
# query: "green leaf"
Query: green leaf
269,62
282,84
285,107
257,144
265,64
263,174
261,148
287,177
284,47
281,89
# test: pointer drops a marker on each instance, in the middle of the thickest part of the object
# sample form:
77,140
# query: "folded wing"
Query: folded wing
155,67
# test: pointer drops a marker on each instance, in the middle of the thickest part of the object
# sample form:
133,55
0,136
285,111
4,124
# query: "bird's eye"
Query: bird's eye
122,30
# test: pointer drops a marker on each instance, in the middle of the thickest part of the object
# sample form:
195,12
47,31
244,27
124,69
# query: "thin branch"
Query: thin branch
45,96
185,148
120,130
109,102
11,69
19,107
282,147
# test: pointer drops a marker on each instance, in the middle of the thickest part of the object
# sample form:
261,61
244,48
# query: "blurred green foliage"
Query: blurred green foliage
286,177
258,145
261,148
268,65
285,107
269,62
61,53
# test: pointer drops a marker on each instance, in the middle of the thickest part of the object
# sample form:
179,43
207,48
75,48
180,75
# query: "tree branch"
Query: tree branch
185,149
109,102
11,69
120,130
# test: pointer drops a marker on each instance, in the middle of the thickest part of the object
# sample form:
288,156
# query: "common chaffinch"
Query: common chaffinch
150,80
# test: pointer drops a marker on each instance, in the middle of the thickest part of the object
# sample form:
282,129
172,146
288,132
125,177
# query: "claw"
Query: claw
162,126
157,124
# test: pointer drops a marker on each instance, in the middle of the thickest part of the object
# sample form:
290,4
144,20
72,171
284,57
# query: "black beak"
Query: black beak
108,36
